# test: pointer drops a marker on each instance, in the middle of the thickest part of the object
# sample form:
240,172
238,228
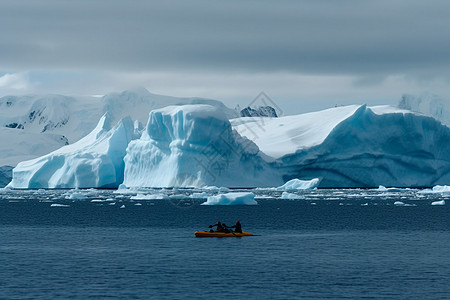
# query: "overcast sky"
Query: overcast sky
304,54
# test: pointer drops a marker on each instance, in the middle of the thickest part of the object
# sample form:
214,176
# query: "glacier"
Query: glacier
197,145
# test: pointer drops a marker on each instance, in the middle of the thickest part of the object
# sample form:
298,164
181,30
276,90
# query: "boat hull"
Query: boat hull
221,234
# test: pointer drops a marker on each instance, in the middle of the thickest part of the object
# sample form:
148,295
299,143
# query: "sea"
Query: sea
319,244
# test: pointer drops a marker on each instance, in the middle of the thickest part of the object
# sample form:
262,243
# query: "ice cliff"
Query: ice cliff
194,145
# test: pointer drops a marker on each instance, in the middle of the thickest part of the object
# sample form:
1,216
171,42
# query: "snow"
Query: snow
236,198
94,161
277,137
441,202
297,184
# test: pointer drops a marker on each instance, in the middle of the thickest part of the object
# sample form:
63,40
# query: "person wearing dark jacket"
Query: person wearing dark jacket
219,228
237,227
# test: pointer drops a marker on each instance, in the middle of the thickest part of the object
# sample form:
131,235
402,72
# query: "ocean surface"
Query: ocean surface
327,244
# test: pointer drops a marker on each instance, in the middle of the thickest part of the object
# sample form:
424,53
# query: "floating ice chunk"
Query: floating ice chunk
441,189
297,184
150,197
400,203
291,196
202,195
97,201
123,206
138,204
75,195
59,205
237,198
212,188
385,189
441,202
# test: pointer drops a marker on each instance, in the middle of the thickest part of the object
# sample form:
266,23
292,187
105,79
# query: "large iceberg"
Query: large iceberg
355,146
194,145
197,146
94,161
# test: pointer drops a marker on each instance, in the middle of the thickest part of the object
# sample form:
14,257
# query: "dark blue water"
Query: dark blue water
329,245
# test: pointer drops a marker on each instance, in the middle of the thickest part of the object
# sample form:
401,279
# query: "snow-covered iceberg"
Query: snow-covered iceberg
94,161
194,145
238,198
356,146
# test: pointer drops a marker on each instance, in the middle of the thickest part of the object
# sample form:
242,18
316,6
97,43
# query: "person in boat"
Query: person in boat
219,228
237,227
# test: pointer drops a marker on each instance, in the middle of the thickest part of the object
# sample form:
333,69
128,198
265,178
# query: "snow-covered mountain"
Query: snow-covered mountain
196,145
35,125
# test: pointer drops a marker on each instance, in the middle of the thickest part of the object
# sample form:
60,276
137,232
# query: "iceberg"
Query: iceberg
237,198
94,161
194,146
441,202
355,146
441,189
297,184
438,189
400,203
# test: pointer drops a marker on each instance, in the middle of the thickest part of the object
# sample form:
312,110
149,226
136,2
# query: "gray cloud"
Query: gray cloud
309,37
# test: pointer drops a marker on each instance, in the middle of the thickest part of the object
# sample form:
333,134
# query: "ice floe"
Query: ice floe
236,198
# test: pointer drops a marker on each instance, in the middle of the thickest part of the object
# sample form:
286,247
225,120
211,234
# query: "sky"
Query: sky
305,55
